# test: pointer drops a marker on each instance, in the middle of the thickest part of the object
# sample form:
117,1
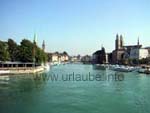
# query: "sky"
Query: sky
76,26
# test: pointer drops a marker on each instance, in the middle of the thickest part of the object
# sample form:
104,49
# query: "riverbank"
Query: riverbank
143,68
21,70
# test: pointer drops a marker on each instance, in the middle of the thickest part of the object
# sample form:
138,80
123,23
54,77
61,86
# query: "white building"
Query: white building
74,59
139,53
58,57
64,58
55,57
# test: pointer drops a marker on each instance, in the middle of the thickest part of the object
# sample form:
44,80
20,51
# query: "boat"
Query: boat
144,69
122,68
100,66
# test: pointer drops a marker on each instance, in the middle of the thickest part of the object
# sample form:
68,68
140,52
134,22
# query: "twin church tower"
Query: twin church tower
122,51
35,41
119,42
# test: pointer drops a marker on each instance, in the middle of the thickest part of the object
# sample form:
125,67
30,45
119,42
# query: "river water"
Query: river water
75,88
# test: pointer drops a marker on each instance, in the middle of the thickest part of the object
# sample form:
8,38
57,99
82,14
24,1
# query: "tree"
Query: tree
26,51
65,53
40,56
30,52
13,50
135,61
145,61
4,54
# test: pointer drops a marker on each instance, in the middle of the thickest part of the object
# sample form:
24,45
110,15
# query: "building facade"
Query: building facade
86,59
123,52
118,53
58,57
139,53
99,57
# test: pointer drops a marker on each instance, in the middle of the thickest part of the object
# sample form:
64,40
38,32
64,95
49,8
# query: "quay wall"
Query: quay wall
21,70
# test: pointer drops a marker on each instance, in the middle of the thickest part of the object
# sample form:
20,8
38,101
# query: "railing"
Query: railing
19,68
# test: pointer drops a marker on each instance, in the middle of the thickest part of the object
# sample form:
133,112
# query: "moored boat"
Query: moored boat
100,66
144,69
122,68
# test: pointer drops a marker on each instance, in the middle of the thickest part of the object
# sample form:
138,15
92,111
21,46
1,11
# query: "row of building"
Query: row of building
58,57
121,52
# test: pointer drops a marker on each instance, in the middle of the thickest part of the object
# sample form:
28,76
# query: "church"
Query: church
121,51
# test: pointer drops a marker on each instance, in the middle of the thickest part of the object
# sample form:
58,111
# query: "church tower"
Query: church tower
34,46
35,39
121,41
138,42
117,42
43,45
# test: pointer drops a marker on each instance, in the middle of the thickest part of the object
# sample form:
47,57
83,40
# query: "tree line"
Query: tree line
26,51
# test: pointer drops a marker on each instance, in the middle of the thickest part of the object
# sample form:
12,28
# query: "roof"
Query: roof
147,47
133,46
58,54
98,52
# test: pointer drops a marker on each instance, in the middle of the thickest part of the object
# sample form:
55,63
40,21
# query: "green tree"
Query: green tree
65,53
135,61
4,54
40,56
26,51
13,50
30,52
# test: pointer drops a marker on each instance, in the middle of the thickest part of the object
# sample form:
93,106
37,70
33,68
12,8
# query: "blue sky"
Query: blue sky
76,26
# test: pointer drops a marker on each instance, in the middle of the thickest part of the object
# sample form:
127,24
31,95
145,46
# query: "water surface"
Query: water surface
39,94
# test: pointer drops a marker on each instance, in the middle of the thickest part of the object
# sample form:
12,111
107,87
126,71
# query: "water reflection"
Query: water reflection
22,83
108,75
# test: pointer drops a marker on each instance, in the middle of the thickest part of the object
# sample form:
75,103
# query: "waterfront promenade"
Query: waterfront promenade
21,70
